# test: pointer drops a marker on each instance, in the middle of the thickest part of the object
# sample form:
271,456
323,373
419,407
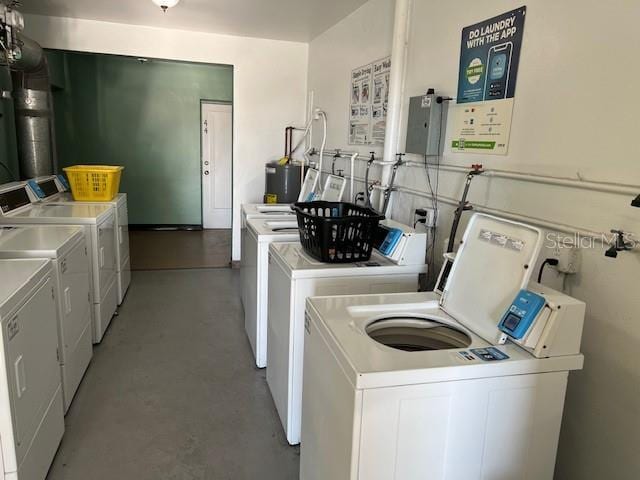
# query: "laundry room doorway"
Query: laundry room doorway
144,114
217,164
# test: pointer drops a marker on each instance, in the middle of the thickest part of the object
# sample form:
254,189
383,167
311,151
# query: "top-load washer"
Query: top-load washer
256,238
333,191
98,222
54,189
469,383
265,210
262,210
71,276
31,415
294,276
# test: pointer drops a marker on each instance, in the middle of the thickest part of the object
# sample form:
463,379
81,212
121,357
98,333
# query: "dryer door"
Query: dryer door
32,364
123,234
106,255
75,300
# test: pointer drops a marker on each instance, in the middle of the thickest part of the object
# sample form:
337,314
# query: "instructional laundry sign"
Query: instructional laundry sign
369,100
489,58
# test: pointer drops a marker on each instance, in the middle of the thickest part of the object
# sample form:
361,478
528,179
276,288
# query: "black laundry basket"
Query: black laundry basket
337,232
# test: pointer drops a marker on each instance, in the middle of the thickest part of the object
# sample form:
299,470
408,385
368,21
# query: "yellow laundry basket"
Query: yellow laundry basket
94,183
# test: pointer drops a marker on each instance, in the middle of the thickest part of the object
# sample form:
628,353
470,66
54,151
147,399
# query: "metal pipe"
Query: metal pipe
352,173
358,156
605,187
593,185
549,225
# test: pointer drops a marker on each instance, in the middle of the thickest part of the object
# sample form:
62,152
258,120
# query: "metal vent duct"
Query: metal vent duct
33,107
33,123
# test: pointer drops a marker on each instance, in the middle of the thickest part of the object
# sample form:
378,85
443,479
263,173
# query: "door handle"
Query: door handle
67,300
21,381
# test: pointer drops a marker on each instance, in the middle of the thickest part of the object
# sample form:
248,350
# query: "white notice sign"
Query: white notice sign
369,101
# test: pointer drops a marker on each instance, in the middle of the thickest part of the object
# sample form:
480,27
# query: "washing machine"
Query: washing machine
98,223
467,384
259,234
294,276
333,191
31,412
66,248
54,189
265,210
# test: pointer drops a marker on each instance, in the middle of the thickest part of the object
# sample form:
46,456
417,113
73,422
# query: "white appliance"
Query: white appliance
265,210
401,243
71,277
307,191
415,386
333,191
294,276
98,222
54,189
256,238
31,414
261,210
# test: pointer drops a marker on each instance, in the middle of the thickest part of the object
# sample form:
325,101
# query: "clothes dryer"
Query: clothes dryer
31,412
54,189
98,223
71,277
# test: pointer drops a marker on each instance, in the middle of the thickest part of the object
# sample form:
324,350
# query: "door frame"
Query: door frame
225,103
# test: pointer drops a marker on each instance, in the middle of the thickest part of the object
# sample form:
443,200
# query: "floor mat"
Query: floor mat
168,250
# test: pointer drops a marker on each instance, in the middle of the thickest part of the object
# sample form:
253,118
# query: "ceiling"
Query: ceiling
294,20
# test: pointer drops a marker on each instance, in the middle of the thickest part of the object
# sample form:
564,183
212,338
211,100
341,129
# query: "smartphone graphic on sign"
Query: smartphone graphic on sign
498,68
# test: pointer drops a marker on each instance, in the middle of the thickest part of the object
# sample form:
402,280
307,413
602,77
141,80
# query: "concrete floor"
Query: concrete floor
169,250
171,392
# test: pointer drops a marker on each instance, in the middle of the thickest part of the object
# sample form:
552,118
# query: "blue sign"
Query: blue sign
489,58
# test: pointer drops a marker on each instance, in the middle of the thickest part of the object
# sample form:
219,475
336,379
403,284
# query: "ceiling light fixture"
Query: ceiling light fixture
166,4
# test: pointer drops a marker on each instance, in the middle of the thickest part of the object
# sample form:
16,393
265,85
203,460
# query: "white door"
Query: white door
216,165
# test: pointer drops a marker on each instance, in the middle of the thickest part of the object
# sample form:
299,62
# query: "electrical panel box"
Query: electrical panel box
426,125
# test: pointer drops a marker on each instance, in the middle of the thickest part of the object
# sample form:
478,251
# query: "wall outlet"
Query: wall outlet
568,256
430,217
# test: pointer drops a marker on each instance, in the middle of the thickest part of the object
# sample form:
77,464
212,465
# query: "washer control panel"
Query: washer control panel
522,314
394,235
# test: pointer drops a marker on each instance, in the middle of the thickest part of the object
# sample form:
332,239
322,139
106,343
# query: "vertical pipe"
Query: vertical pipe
352,170
396,87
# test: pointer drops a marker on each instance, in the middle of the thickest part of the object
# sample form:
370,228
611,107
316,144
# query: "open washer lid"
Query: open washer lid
493,264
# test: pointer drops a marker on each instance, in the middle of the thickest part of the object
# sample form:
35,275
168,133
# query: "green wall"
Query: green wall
144,116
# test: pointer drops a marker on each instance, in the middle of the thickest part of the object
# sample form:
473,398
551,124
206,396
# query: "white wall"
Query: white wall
359,39
269,83
573,117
